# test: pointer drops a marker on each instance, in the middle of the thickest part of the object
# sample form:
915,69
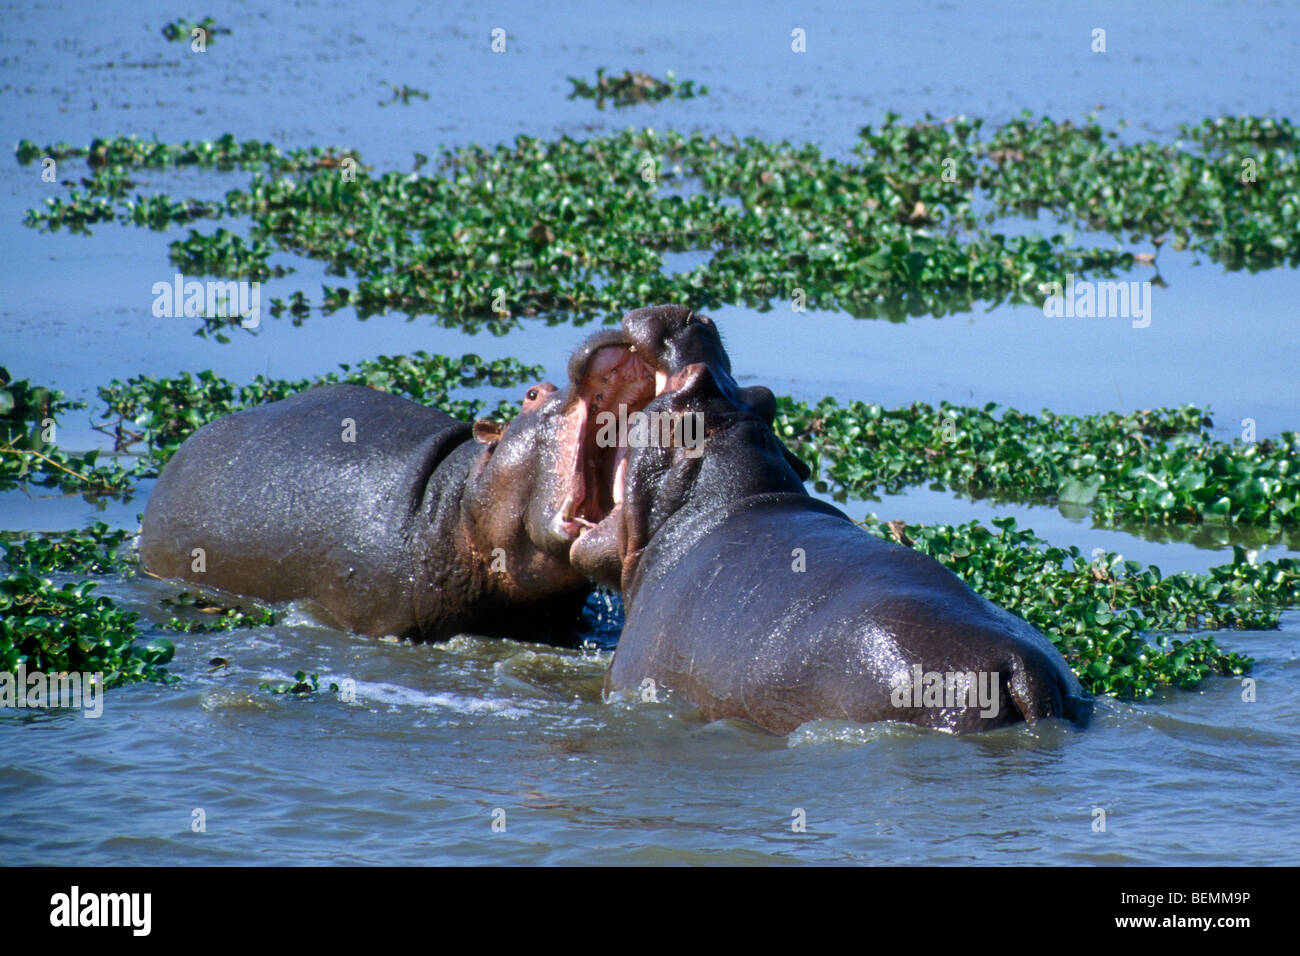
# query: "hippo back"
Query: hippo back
319,496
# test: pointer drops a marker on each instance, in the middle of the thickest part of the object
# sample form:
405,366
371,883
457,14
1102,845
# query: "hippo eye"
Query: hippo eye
532,395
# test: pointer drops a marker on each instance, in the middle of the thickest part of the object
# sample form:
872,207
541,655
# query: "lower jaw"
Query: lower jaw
573,530
596,550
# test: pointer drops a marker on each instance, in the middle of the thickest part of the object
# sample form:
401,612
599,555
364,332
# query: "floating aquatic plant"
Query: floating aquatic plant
403,93
57,628
1151,466
28,453
226,254
97,550
303,685
182,31
109,158
630,88
201,615
575,229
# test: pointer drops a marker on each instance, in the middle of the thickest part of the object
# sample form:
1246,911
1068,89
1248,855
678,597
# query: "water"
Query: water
441,737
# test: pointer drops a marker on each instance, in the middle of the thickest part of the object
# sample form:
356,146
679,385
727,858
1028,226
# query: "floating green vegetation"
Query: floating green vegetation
93,551
303,685
111,159
403,93
81,211
112,183
164,412
1112,619
57,628
63,628
1151,466
28,425
238,259
630,88
1234,198
572,229
219,617
182,31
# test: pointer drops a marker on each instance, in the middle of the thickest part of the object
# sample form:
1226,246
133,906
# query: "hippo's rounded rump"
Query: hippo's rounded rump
317,496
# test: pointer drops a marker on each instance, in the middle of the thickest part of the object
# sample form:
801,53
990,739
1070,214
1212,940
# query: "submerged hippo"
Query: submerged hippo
754,600
396,518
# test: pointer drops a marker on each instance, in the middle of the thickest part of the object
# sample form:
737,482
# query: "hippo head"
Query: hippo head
545,479
663,427
511,490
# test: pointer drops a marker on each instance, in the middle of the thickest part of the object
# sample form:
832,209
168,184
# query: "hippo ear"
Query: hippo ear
795,462
487,432
761,401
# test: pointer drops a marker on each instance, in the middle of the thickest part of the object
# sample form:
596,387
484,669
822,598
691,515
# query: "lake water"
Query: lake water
441,738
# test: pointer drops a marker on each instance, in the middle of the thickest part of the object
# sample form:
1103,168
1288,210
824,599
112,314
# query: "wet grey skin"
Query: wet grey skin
707,550
422,526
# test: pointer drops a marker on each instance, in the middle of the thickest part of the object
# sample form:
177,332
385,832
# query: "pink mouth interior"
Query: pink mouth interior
615,376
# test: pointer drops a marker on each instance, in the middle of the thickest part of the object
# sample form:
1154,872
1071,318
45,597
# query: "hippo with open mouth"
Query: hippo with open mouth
395,518
754,600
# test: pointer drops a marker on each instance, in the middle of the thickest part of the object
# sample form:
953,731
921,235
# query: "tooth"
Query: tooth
661,381
620,476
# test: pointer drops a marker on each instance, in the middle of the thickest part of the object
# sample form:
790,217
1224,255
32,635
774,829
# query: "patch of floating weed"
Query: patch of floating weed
220,617
403,93
1157,466
575,229
28,425
1232,197
182,31
630,88
93,551
226,254
64,628
303,685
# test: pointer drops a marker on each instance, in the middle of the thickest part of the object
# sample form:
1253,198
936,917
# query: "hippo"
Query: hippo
395,518
758,602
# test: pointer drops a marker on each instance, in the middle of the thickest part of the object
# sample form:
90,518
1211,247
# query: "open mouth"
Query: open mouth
613,378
